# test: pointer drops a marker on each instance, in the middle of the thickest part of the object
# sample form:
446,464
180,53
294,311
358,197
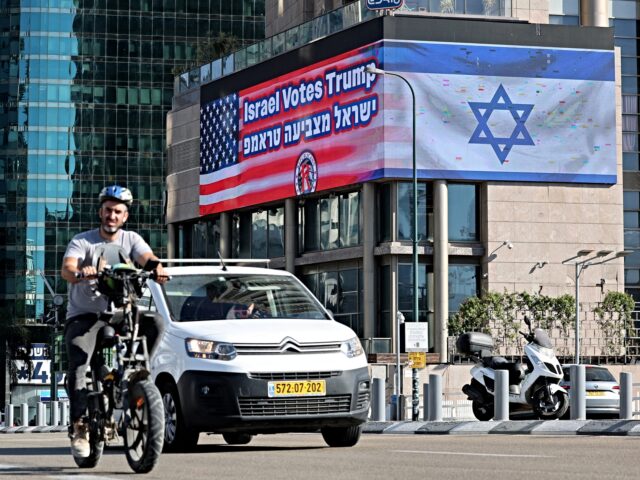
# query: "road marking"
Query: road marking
470,454
31,469
82,477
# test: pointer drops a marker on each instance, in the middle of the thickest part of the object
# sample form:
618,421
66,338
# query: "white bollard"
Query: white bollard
8,416
24,414
41,414
55,414
64,417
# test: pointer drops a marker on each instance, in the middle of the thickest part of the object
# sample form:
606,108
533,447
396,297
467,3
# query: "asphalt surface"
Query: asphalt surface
508,427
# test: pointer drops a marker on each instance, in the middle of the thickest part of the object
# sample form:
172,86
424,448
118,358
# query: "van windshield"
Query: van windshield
194,298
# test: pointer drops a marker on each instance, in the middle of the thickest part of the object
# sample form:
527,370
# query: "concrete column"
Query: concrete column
368,218
225,234
171,241
290,234
441,266
594,13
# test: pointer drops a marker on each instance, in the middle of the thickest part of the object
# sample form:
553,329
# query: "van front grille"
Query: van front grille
287,346
293,375
279,407
363,400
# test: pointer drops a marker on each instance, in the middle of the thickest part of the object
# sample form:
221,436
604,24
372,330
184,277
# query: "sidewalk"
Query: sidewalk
471,427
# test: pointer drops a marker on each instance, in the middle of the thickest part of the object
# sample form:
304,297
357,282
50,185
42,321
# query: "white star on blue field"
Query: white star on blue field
483,135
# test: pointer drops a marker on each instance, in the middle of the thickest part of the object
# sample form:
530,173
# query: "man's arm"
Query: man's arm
145,257
71,266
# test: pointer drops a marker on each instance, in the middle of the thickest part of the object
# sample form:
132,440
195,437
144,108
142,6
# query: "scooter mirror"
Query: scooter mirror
527,321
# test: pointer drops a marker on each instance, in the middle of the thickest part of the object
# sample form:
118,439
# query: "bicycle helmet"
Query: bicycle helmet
116,193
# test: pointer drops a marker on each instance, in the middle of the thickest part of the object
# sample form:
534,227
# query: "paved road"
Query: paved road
305,456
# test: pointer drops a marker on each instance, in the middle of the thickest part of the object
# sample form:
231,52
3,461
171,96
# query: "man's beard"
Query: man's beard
111,229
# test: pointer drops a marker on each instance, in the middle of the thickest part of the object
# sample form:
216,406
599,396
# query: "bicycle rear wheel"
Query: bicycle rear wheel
144,426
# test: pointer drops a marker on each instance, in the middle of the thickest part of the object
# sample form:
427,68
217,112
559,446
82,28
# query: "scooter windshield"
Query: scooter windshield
541,338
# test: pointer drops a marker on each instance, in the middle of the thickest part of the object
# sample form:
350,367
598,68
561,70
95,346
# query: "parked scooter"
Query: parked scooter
533,385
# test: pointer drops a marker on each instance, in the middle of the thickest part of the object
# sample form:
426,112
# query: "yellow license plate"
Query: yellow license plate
595,394
297,388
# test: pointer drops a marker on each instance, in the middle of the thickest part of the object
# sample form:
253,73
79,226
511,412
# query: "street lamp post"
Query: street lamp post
414,376
581,266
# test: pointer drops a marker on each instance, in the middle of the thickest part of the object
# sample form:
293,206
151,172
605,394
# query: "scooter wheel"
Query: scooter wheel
550,410
482,411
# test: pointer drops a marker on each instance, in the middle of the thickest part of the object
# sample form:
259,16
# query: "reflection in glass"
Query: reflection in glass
463,283
462,212
276,232
259,234
338,291
405,291
405,211
329,219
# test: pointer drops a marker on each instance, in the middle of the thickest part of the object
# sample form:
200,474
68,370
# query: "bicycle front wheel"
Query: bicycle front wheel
144,426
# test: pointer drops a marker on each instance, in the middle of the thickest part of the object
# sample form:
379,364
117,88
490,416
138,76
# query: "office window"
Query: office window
330,222
463,212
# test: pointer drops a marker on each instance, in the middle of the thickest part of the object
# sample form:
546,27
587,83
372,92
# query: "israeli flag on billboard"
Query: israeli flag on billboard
487,112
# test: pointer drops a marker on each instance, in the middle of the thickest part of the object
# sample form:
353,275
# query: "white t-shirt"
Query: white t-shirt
82,299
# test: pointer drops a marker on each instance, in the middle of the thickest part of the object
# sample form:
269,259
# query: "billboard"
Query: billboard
483,112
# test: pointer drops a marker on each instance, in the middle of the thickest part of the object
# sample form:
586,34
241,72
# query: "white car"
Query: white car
249,351
602,391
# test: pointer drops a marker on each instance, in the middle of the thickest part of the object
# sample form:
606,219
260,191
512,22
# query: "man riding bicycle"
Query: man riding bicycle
85,306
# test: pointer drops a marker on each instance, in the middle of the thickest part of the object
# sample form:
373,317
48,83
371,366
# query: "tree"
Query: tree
211,48
614,318
216,47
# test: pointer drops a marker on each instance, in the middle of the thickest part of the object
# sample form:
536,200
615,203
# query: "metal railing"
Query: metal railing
321,26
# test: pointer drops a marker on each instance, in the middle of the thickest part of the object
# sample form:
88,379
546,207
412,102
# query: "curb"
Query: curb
43,429
629,428
509,427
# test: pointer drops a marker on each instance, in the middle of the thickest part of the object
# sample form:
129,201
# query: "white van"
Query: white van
248,350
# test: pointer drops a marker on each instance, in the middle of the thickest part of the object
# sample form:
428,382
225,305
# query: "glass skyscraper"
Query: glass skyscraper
85,86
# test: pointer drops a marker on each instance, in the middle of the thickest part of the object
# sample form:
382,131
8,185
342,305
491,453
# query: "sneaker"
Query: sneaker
80,447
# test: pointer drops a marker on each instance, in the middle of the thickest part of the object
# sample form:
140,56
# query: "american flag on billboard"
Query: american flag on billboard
219,134
249,160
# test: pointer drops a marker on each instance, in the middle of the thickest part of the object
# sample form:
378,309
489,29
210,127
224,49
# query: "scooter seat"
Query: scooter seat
516,369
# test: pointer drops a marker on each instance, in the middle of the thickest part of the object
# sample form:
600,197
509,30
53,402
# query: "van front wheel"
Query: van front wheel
177,436
342,436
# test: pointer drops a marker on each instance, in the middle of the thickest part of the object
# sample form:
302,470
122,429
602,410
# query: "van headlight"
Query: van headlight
352,347
211,350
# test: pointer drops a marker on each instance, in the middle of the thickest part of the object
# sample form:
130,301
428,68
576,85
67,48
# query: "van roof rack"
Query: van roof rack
216,261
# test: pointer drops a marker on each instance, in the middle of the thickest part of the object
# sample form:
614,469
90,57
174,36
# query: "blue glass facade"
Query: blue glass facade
84,91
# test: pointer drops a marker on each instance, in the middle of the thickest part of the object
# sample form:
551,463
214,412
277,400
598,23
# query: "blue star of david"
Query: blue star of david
483,135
